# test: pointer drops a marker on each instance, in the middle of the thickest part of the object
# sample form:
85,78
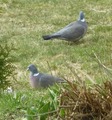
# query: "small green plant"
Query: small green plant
6,66
45,109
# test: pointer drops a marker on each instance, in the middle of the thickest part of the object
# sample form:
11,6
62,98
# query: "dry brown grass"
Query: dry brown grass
80,102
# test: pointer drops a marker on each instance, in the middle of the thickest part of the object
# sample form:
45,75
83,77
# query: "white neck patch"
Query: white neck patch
83,20
36,74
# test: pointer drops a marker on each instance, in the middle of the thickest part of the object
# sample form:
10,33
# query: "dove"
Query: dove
41,80
72,32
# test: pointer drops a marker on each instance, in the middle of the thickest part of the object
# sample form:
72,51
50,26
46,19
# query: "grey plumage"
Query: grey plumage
72,32
38,80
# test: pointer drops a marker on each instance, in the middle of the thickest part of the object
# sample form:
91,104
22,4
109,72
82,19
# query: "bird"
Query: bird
42,80
72,32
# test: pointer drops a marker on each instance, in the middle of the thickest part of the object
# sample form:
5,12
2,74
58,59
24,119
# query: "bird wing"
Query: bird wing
46,80
74,32
58,33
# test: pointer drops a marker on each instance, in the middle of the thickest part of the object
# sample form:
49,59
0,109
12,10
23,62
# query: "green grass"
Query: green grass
23,22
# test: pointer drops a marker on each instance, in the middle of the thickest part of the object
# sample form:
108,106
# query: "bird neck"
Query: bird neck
35,74
82,20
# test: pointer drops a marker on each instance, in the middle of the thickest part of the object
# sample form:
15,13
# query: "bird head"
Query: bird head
32,68
81,17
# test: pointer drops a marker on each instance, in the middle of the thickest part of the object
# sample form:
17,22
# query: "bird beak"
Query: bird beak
27,69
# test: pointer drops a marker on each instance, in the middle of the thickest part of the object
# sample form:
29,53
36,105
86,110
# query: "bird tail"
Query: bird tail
62,81
48,37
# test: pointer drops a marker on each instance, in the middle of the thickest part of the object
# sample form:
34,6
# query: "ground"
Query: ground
23,22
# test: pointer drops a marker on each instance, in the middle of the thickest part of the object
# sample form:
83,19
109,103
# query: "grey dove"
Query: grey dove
72,32
38,80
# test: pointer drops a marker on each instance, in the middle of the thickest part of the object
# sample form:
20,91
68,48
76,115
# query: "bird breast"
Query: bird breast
34,81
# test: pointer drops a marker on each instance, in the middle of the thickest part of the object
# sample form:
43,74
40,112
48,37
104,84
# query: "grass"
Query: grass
23,22
79,102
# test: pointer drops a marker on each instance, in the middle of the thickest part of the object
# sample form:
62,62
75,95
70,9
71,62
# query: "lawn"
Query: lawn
23,22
